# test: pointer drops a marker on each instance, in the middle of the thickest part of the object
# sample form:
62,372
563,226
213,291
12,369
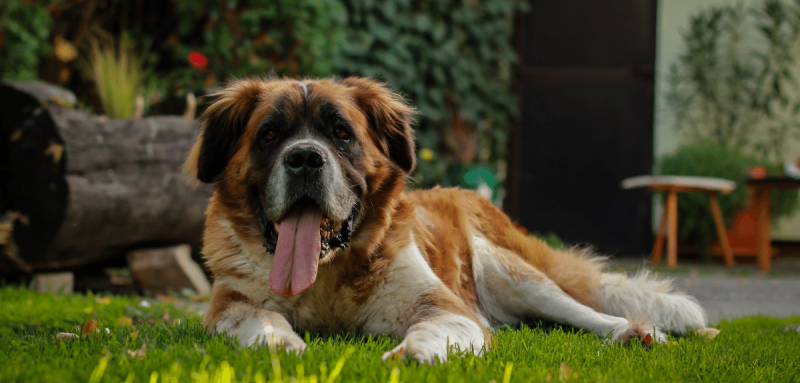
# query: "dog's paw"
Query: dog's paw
422,352
256,333
645,332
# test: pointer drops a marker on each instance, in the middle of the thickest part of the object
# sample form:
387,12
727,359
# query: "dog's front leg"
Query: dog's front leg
252,325
439,331
412,302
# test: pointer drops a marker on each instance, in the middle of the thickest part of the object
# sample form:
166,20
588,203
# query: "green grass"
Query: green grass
750,349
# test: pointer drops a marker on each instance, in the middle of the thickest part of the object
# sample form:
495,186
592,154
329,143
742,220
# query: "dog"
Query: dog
311,227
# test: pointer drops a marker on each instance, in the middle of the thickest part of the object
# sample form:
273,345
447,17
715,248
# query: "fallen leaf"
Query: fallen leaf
89,327
165,317
564,371
671,343
134,335
125,321
55,150
65,336
708,332
140,353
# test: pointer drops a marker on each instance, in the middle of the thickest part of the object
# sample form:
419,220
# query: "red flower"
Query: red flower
198,60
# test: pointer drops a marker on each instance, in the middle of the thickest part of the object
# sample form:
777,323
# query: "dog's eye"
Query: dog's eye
341,133
270,135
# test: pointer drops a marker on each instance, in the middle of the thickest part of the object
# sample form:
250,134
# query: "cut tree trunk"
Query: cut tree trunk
76,189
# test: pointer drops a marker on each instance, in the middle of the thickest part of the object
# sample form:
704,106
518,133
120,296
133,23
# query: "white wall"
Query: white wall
673,21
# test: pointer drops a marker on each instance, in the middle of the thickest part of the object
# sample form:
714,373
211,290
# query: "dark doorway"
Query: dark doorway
585,81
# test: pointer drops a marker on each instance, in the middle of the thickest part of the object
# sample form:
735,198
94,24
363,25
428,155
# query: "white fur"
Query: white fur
392,307
642,296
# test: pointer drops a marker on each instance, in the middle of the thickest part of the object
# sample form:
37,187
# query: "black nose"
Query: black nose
303,161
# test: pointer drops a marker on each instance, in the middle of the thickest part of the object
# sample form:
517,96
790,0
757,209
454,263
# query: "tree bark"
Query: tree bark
78,189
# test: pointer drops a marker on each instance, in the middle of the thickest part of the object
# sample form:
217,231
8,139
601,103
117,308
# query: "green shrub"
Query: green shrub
695,221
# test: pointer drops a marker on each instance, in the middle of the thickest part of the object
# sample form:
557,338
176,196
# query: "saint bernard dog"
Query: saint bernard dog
311,227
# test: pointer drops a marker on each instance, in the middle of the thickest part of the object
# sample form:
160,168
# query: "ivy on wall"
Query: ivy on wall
454,60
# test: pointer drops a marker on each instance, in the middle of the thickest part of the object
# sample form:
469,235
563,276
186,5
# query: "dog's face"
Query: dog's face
298,161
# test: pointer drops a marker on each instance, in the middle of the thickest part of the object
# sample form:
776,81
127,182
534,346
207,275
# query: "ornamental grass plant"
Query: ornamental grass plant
118,74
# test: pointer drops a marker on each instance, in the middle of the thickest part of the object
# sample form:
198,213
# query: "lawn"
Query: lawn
156,342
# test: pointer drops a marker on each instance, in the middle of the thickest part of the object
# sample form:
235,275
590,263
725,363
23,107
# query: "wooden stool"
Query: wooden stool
673,185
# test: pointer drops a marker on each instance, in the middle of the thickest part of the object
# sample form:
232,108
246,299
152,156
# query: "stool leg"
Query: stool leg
672,236
658,247
721,233
764,246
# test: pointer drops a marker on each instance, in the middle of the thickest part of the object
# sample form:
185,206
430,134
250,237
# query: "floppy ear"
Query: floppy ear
389,116
223,124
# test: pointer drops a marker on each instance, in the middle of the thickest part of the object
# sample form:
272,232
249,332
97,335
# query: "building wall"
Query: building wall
672,22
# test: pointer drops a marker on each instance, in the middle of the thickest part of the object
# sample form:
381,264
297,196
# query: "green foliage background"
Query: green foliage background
453,59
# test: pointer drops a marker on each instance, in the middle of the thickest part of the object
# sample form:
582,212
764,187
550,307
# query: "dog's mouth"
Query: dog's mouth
302,239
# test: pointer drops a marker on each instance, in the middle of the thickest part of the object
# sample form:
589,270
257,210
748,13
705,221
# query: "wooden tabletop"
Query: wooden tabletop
685,183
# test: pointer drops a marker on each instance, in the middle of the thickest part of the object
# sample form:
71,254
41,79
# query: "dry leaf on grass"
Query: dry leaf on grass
89,327
564,371
65,336
140,353
134,335
708,332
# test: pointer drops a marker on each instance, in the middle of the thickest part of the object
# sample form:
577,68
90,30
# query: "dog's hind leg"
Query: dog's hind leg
511,290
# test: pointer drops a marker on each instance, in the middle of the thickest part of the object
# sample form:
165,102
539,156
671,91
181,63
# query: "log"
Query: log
78,189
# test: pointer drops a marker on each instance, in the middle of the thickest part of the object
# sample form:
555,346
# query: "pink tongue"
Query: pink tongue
294,267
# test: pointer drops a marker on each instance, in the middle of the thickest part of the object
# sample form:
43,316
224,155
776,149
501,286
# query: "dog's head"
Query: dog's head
299,161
